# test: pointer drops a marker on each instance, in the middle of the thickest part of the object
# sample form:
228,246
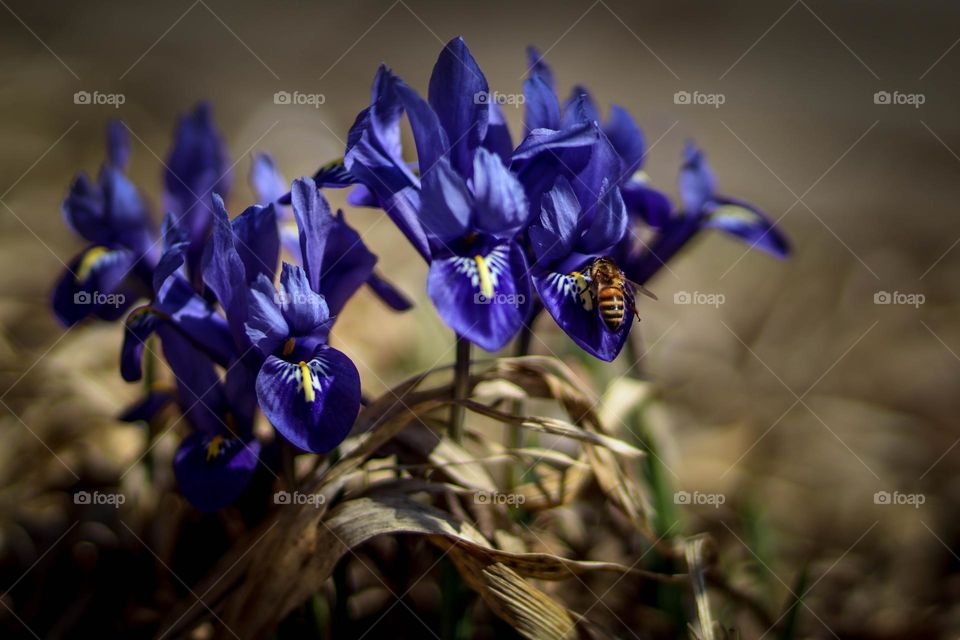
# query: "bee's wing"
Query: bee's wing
642,289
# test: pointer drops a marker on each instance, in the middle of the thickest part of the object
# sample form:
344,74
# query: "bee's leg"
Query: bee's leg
632,306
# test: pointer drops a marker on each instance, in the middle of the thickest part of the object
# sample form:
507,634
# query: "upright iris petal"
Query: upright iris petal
643,202
349,262
308,390
335,259
239,251
197,167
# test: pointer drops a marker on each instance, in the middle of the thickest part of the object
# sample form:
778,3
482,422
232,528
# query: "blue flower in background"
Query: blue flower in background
701,208
108,276
346,247
196,168
543,110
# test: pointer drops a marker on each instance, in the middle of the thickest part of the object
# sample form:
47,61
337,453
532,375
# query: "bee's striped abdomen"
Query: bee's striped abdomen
611,305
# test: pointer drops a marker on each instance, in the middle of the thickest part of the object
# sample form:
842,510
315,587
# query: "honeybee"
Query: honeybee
613,293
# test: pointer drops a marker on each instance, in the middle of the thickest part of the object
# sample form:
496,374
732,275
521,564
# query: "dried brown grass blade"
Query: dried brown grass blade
694,553
544,377
534,614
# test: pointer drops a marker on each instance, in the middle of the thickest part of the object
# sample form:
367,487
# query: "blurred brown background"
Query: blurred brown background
798,396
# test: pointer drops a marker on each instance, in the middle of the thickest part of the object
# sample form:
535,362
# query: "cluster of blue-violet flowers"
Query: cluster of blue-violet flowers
242,307
499,224
239,340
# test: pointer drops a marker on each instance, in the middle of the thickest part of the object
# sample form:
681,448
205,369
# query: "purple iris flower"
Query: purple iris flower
466,210
108,276
216,461
566,242
701,208
308,390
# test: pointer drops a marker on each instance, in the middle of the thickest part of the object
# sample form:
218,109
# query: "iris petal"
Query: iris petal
348,263
316,417
541,107
386,291
499,198
751,225
486,302
213,473
258,242
608,225
266,327
649,204
267,181
498,138
697,184
305,310
94,284
446,203
459,94
223,270
567,298
580,108
627,139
